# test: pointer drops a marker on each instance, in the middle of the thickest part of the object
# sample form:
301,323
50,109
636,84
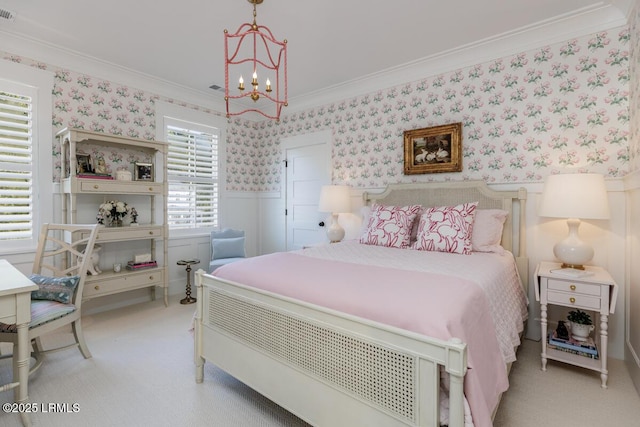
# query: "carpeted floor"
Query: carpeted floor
142,374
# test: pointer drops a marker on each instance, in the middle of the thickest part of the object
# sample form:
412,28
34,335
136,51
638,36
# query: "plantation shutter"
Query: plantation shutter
16,166
192,173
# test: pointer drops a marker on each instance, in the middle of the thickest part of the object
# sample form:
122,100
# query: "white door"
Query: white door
308,168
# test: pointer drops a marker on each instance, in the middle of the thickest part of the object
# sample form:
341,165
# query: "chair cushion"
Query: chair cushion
59,289
41,313
220,262
228,248
46,311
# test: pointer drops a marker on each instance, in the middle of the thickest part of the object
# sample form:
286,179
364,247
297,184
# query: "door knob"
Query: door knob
321,223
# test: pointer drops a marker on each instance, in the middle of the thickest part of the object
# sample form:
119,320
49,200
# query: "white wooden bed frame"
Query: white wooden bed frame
334,369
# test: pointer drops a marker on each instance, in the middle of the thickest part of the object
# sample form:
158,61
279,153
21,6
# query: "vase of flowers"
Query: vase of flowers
112,212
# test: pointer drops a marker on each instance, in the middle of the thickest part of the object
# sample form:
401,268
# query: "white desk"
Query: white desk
15,307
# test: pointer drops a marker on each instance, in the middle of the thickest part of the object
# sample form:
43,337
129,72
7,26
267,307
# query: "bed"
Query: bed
362,359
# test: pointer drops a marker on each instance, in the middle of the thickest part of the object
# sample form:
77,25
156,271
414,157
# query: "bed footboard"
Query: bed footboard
326,367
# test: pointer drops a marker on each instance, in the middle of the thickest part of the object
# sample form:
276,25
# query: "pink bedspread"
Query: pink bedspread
431,304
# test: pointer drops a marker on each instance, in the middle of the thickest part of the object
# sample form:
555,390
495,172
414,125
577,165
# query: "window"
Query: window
25,143
192,173
16,160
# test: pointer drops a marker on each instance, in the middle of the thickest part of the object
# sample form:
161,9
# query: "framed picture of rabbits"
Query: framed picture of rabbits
434,149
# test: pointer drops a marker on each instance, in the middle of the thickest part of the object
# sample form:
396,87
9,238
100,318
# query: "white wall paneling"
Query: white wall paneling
272,233
198,247
240,210
632,282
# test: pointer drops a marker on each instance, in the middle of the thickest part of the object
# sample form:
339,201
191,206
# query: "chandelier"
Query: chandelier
253,51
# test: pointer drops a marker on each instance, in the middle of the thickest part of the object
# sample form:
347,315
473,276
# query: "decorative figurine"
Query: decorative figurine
101,166
94,265
561,331
134,216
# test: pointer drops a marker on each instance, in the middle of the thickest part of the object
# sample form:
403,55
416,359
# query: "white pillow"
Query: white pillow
365,211
487,230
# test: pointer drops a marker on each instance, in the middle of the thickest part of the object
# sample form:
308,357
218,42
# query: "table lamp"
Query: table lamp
335,199
574,196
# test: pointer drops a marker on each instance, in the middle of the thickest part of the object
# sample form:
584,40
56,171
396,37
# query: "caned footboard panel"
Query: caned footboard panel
354,364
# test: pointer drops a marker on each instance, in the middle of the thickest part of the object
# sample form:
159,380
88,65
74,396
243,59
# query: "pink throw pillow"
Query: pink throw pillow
487,230
390,226
446,229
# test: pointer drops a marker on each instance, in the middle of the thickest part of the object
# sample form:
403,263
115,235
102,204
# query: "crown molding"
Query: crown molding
57,56
598,17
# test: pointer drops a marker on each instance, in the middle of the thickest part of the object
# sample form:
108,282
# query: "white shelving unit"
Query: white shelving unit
81,198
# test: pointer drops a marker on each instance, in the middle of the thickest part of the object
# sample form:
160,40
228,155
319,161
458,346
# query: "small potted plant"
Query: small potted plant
581,324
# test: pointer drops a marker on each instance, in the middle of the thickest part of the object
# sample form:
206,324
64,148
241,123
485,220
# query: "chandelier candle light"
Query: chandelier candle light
254,50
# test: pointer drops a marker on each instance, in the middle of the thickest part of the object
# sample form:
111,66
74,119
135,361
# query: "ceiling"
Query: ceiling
331,43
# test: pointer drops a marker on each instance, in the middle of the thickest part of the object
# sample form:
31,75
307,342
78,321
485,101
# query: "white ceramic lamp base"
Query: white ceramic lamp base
335,232
572,251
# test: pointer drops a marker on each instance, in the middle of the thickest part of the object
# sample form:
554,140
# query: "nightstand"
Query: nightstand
314,245
595,293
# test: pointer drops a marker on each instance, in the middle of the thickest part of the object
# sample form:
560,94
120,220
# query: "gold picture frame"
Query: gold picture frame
433,150
84,165
143,171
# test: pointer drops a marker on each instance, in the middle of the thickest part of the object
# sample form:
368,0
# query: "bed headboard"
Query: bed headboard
432,194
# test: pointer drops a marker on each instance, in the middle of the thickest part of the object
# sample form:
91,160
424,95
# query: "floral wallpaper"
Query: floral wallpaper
90,103
634,107
563,106
557,107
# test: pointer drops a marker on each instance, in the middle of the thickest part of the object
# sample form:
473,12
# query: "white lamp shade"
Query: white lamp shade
581,195
574,196
335,199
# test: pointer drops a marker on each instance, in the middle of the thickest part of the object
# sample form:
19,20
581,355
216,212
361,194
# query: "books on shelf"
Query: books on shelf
583,348
577,352
141,265
94,175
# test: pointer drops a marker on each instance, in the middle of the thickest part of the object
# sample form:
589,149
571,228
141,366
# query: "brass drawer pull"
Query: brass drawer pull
96,287
572,287
95,187
150,189
572,300
151,233
150,277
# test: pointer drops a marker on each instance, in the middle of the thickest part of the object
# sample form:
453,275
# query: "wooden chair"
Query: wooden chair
59,269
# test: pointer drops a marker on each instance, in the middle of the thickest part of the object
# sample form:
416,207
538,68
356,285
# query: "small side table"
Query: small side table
596,292
188,262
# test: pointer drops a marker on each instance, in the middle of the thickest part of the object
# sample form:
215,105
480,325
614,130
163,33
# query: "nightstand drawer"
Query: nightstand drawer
576,287
573,300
